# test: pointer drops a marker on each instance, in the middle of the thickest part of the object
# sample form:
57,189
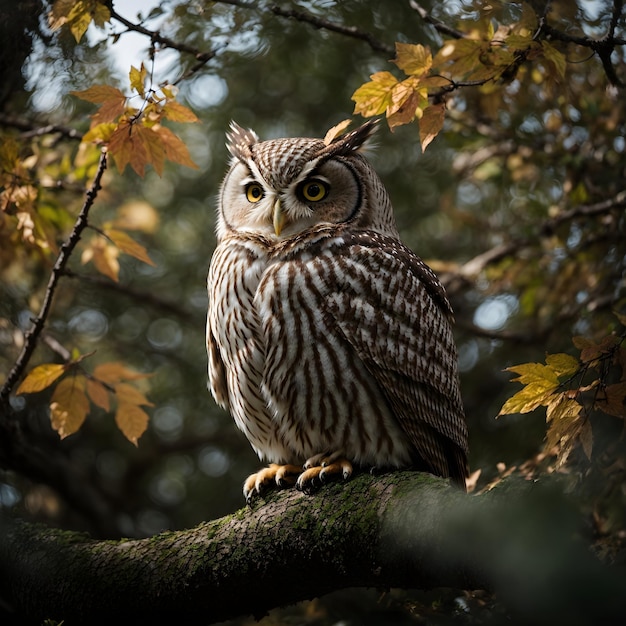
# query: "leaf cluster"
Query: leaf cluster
571,389
489,53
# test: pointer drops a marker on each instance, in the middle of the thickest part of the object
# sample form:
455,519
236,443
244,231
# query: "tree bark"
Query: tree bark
521,540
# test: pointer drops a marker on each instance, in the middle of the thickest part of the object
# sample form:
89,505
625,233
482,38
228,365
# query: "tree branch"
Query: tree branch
317,22
410,530
32,336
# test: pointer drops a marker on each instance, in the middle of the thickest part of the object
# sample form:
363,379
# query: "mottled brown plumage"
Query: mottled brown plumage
329,340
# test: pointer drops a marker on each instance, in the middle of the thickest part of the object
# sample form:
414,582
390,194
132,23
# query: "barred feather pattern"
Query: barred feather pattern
336,337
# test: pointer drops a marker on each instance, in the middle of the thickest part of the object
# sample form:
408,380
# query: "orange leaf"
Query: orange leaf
178,112
41,377
431,123
128,245
69,406
99,94
123,145
98,394
114,372
127,394
105,260
132,421
154,147
175,149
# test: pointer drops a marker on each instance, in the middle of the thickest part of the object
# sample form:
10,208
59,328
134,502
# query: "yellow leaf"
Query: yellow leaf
41,377
138,79
178,113
128,245
526,400
556,58
431,123
374,97
127,394
534,373
114,372
69,406
101,133
132,421
98,394
414,60
562,364
335,131
175,149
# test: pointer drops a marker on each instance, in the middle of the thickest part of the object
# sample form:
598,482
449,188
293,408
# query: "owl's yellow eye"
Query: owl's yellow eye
314,190
254,192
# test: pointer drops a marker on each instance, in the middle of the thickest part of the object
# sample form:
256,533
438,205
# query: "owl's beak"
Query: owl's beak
278,217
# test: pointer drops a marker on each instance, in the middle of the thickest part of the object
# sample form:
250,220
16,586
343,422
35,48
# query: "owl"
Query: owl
329,341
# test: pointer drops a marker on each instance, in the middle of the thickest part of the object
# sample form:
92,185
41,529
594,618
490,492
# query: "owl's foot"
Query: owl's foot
322,468
275,475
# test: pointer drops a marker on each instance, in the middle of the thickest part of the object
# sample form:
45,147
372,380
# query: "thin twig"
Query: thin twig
440,27
30,129
31,337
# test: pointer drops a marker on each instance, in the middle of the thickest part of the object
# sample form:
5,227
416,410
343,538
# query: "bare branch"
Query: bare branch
32,336
440,27
317,22
30,129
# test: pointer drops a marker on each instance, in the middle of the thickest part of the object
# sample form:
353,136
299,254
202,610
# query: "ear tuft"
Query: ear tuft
239,140
352,141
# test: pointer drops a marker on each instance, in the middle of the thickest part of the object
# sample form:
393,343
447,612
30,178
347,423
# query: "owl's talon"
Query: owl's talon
282,476
327,468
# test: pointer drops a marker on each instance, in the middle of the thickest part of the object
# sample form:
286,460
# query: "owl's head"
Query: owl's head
283,187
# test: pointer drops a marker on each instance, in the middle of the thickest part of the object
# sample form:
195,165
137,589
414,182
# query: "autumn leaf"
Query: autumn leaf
336,131
132,420
78,14
614,400
41,377
414,60
137,79
128,245
562,364
374,97
104,257
175,149
527,400
177,112
127,394
114,372
431,123
98,394
69,405
126,147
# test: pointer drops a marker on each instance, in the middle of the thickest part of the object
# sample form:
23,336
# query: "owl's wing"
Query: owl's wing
217,371
393,311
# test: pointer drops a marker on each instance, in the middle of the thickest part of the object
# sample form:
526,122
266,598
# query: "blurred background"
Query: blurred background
486,205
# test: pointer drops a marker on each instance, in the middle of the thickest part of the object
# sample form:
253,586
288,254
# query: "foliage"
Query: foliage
518,204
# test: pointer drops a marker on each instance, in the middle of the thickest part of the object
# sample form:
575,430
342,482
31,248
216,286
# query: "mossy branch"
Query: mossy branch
405,529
